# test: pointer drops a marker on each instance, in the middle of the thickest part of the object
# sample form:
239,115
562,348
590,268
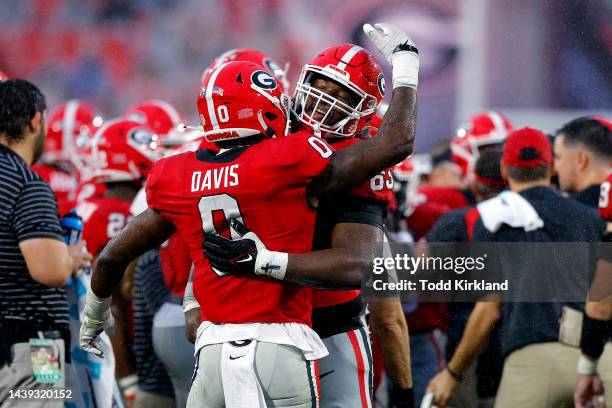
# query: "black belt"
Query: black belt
332,320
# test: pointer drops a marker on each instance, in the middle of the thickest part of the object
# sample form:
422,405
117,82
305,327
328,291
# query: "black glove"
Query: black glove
230,257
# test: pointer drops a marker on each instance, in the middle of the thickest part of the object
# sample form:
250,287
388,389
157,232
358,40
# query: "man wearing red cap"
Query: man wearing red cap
530,343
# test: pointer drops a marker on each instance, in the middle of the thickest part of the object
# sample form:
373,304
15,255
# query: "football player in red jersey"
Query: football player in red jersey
337,96
260,182
122,152
352,223
70,129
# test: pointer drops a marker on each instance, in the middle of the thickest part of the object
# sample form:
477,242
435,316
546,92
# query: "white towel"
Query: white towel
509,208
240,383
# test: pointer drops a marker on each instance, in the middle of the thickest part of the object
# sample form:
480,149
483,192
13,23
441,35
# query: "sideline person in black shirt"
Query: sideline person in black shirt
530,331
482,379
597,325
35,263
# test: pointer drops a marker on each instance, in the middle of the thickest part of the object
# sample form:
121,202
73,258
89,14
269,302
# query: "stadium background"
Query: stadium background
539,62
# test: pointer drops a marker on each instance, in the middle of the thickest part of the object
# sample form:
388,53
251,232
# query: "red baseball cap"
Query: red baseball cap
527,148
604,121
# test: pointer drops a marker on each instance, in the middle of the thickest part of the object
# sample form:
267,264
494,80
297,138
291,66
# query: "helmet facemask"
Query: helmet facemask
311,102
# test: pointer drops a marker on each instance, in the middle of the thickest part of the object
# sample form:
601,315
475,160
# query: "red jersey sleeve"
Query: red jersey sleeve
165,184
153,181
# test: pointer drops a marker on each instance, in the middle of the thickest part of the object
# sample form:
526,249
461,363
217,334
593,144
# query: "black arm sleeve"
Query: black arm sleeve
359,210
595,334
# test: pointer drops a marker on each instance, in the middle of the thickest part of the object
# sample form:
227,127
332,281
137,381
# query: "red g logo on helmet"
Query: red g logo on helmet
263,80
143,137
123,150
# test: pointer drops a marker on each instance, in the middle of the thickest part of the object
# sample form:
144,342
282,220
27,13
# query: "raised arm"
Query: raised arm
395,139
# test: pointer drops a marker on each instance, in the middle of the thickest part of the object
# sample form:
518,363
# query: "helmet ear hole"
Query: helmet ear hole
239,78
270,116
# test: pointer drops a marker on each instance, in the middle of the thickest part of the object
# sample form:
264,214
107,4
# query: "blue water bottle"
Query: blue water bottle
72,224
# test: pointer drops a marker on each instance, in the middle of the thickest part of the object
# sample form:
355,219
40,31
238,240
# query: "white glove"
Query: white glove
97,318
399,50
270,263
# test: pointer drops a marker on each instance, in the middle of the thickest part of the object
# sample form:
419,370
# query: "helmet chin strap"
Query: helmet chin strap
263,123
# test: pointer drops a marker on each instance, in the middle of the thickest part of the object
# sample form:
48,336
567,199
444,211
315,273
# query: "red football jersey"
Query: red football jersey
103,218
264,185
605,206
175,264
377,188
62,183
88,190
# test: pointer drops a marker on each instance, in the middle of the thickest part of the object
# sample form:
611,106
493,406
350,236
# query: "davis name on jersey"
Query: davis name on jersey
214,179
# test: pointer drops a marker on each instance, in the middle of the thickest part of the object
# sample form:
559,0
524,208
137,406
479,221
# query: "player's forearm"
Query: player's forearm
335,268
476,335
395,139
361,161
107,275
389,325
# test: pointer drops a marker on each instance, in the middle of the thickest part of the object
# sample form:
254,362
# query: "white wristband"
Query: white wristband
97,308
271,263
586,366
189,300
129,385
405,69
